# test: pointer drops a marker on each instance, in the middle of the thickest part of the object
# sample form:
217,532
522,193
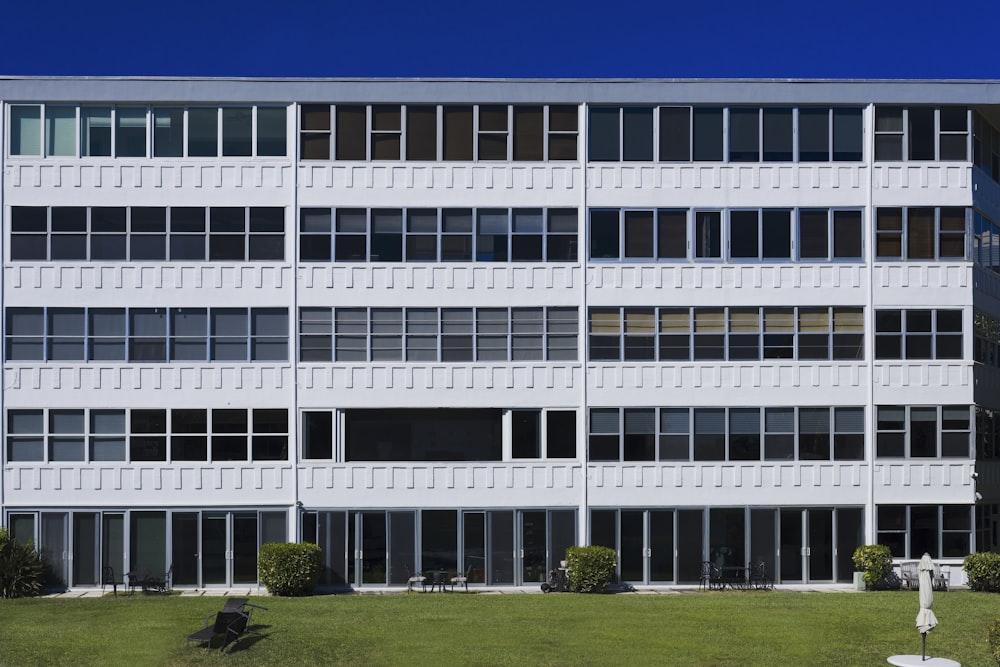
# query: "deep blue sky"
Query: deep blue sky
504,38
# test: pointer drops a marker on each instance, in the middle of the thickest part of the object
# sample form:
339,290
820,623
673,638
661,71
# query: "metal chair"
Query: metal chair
710,577
412,579
461,579
108,579
758,577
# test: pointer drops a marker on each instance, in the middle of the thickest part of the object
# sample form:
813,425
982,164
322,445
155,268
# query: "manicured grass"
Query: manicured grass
714,628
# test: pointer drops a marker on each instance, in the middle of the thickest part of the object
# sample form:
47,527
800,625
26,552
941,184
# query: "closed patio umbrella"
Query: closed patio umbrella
926,620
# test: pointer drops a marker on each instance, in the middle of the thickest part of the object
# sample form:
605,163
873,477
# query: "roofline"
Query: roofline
494,90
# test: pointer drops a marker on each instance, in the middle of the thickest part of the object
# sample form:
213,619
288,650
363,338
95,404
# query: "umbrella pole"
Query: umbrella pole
923,637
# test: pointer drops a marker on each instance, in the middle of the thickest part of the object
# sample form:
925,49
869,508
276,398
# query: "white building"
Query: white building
463,324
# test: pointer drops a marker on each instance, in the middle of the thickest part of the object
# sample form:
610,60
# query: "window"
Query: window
484,132
141,131
413,235
734,334
763,234
918,334
423,435
923,431
317,435
757,234
431,334
920,233
100,334
726,434
115,233
387,132
921,133
943,531
621,134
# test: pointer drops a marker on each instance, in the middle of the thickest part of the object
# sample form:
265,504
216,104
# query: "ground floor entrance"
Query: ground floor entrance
797,545
491,547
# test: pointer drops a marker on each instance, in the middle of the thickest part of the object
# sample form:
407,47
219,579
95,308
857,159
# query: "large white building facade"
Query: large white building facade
463,324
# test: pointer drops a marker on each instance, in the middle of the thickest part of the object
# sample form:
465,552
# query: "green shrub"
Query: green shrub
875,560
983,570
289,569
20,568
591,569
993,639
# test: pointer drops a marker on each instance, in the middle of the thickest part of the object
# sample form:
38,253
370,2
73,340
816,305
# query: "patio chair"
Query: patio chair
415,579
108,579
908,575
151,584
758,577
231,624
711,576
940,579
242,606
461,580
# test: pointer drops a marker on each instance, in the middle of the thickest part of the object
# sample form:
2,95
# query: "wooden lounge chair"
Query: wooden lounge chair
231,624
908,575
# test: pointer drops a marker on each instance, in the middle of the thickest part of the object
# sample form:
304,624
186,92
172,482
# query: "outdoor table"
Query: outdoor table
437,578
734,576
918,661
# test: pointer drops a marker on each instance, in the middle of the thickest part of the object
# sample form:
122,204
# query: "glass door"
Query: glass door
86,536
501,565
533,542
473,562
372,547
184,550
214,549
690,545
244,548
52,549
792,551
633,546
819,550
661,546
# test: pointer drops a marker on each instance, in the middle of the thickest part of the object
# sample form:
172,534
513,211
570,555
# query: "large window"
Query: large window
438,334
423,435
144,131
770,234
147,234
438,235
918,334
146,335
943,531
726,434
986,242
921,133
96,435
923,431
423,132
925,233
719,334
719,134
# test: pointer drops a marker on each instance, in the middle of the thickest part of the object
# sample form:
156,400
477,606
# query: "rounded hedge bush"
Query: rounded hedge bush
983,571
591,569
290,570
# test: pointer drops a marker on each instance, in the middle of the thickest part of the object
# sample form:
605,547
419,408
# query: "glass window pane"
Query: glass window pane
605,135
777,135
60,130
675,134
130,137
168,132
814,135
26,130
271,131
95,130
203,132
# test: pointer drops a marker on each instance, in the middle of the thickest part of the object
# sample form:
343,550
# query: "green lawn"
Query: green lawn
731,628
